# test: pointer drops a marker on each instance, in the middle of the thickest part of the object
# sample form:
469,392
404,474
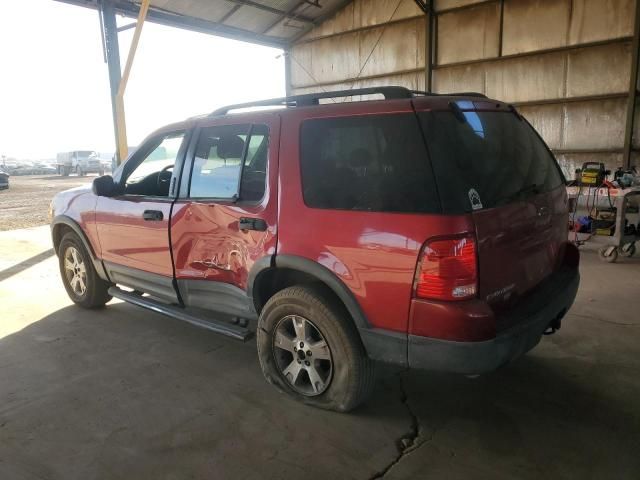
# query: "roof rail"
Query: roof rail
313,98
452,94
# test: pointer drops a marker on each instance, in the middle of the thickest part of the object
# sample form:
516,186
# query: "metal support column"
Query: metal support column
120,116
501,30
112,58
432,40
287,72
427,6
633,91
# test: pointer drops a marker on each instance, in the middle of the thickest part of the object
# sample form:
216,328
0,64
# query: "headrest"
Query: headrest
230,146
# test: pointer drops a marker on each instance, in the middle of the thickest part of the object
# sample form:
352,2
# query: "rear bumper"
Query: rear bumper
531,319
547,304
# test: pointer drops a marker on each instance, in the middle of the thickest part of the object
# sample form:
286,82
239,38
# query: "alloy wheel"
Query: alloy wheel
302,355
75,271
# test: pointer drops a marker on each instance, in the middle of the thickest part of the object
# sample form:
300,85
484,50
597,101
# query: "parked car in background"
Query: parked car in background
22,169
80,162
4,178
424,231
44,169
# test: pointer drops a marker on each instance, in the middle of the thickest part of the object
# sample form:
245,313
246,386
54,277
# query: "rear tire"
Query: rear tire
79,277
309,348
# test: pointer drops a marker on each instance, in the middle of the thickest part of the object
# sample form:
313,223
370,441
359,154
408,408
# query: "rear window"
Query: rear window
486,159
372,163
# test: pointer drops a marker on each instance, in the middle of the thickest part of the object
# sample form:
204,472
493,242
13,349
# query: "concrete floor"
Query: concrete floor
125,393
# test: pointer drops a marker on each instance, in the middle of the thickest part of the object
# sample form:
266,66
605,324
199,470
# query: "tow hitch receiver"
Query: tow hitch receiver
555,324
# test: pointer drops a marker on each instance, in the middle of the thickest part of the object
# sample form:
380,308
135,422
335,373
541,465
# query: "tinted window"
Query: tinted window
220,154
254,174
494,153
373,162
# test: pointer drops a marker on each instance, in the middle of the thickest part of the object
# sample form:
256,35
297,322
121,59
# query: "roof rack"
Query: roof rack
314,98
454,94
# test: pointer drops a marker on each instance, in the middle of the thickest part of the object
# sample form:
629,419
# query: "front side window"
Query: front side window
152,176
230,163
372,163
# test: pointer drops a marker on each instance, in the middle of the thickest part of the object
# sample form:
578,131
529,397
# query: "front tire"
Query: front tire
309,348
82,283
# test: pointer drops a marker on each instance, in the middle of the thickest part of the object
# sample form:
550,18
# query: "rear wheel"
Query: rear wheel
309,348
79,277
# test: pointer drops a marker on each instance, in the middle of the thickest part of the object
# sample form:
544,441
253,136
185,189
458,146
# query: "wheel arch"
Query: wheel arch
274,273
60,226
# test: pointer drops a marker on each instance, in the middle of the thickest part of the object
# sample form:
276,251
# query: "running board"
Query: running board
217,326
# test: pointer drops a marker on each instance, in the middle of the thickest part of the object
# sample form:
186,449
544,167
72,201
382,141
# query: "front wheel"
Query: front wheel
82,283
310,349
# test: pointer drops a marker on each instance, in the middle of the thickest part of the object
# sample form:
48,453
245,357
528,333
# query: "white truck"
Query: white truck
80,162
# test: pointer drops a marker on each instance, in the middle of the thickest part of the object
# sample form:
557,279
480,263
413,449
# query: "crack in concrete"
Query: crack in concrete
600,319
410,441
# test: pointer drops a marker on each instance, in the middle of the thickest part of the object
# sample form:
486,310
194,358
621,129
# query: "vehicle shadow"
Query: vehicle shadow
124,393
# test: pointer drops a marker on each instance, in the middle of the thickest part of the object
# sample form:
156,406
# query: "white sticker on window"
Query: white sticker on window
474,198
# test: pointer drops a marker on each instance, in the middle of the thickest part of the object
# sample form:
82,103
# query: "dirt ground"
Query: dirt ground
26,202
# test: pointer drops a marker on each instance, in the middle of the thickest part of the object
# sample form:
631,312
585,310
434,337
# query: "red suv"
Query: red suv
421,230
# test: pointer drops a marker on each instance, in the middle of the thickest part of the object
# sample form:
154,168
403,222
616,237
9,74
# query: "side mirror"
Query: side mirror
104,186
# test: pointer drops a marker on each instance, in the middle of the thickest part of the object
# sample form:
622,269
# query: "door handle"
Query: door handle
246,223
153,215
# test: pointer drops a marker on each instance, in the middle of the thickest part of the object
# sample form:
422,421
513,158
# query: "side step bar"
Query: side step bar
220,327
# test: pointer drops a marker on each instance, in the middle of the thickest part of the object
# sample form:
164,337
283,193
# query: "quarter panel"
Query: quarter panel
374,254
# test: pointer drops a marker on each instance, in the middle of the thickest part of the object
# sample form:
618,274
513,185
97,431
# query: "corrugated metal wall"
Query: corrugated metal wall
566,64
333,55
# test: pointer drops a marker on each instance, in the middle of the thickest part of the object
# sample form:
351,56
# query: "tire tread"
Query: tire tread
362,367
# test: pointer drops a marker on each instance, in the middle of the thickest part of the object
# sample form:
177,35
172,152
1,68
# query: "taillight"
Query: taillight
447,269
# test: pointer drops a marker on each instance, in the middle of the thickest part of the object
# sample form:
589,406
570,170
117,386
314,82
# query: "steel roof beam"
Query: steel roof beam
288,14
170,19
266,8
166,17
317,21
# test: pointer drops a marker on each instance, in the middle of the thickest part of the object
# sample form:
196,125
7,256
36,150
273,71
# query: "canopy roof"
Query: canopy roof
275,23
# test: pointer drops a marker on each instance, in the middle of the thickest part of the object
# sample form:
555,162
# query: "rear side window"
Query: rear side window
372,163
490,158
231,163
